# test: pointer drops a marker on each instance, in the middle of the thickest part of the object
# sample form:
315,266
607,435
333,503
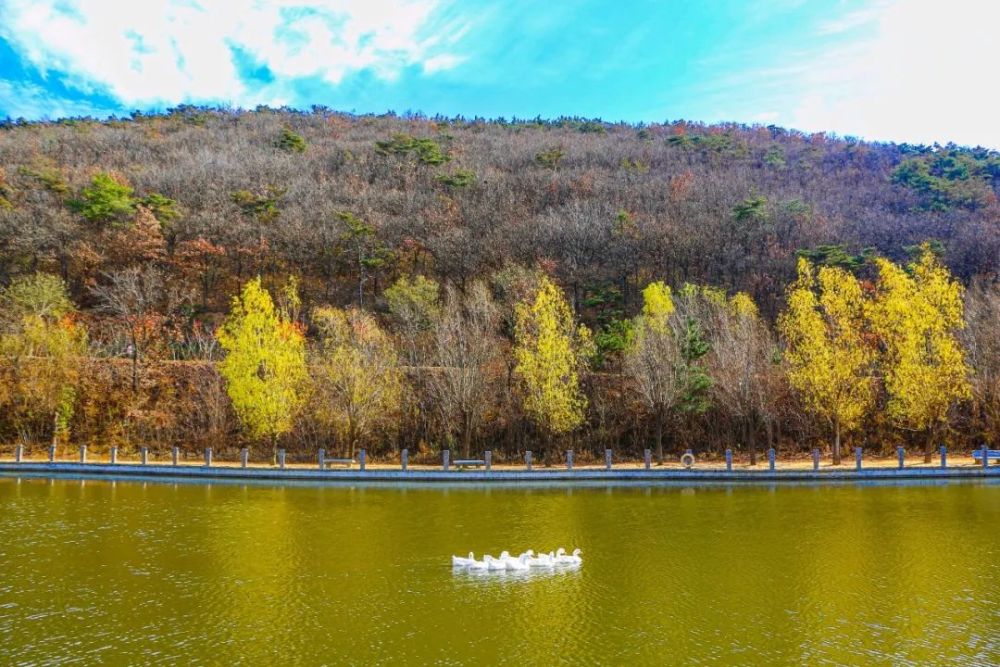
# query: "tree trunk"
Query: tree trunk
55,428
351,435
659,437
929,446
751,440
466,434
135,367
836,442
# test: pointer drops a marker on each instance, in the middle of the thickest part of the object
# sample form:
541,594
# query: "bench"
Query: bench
337,462
462,463
977,454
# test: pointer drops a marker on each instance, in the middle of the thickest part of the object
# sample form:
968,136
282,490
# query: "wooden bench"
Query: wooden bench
977,454
462,463
337,462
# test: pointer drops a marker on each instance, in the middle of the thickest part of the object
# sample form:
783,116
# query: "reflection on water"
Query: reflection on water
125,572
500,577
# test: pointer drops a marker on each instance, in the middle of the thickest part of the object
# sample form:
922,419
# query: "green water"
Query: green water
99,572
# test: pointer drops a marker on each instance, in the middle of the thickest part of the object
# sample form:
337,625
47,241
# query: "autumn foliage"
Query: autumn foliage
438,282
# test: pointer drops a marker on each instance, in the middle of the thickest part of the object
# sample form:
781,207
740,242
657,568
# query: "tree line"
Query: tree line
908,351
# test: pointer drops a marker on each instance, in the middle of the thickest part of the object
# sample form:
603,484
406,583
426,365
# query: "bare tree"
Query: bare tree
467,351
982,345
137,299
744,369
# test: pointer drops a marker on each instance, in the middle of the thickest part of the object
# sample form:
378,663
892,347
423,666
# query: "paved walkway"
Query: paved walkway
384,474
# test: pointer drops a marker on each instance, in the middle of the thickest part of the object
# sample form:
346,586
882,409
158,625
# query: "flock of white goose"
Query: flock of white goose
525,561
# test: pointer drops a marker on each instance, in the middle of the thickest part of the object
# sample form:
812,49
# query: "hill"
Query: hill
159,220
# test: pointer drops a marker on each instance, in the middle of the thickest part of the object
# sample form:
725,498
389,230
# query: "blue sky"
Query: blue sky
903,70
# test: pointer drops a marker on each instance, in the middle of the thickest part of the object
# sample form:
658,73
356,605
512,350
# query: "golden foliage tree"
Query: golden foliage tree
357,373
549,351
265,364
917,315
43,344
830,360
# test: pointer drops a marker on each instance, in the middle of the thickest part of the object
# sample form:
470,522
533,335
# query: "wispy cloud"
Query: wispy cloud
23,99
921,73
912,70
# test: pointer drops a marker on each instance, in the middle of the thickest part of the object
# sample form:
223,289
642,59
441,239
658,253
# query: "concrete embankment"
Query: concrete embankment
503,476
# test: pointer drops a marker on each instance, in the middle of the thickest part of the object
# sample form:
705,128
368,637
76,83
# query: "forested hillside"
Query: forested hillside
431,231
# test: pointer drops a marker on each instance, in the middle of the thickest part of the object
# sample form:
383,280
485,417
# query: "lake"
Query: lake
120,572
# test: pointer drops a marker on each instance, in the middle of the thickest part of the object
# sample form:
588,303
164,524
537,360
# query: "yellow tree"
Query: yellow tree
42,343
829,358
917,315
549,351
265,364
357,373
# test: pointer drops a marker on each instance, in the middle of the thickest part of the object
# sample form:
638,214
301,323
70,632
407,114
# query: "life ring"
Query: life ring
687,459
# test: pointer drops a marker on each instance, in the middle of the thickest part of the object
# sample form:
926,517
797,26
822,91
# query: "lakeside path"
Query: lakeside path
790,470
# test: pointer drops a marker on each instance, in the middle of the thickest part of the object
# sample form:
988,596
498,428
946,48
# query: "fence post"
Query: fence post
901,456
322,458
986,456
816,459
208,457
362,458
569,459
18,453
944,456
446,458
244,455
175,454
857,458
647,458
114,455
83,453
52,454
404,459
144,452
729,460
770,459
488,457
527,459
281,459
607,459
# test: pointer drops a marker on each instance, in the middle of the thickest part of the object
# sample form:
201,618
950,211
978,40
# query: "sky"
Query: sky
918,71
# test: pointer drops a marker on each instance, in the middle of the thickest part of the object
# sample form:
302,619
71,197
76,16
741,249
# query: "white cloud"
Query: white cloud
148,52
917,71
923,74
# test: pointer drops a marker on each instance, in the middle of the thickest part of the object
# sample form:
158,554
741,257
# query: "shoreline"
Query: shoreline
498,475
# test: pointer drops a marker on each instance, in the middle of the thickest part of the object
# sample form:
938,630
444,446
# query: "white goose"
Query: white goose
543,560
458,561
572,559
519,564
497,563
481,565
